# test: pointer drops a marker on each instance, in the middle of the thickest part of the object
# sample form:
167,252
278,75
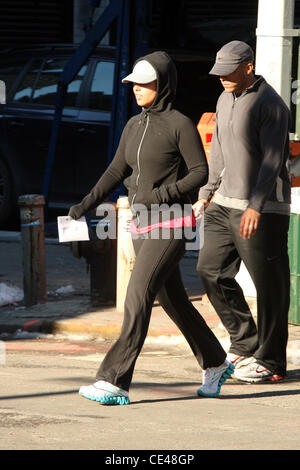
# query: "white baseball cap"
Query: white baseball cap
143,72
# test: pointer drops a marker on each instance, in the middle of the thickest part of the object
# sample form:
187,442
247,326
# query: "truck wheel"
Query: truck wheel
6,192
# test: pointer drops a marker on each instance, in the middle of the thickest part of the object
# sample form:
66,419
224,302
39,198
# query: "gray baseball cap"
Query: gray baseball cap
230,56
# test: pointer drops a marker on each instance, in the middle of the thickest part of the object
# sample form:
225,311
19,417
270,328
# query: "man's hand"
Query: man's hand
199,208
249,223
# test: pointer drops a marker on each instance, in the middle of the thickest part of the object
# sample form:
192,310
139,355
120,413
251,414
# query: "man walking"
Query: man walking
248,218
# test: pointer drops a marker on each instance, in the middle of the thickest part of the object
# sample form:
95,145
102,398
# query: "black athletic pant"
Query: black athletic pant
265,255
156,274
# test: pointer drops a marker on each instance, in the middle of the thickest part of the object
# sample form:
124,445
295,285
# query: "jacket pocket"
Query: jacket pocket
144,194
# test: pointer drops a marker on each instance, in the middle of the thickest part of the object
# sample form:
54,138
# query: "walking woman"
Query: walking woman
155,148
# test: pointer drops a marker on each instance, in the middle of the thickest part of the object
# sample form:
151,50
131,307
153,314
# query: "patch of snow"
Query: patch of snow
10,294
63,290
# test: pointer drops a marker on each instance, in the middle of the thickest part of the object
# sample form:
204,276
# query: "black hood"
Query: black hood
166,80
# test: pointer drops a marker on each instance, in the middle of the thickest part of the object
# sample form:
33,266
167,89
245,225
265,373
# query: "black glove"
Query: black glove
75,212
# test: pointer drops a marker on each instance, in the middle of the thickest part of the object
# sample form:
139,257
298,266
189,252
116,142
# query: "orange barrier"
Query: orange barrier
206,127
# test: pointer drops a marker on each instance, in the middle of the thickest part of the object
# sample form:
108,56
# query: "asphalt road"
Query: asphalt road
40,408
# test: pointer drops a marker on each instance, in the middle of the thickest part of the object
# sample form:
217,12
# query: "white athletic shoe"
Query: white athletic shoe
255,373
239,361
105,393
213,379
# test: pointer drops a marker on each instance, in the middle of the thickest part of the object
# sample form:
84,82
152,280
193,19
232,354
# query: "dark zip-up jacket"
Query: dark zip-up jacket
155,149
250,150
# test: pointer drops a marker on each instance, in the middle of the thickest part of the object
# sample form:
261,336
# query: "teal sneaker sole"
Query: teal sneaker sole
226,375
107,399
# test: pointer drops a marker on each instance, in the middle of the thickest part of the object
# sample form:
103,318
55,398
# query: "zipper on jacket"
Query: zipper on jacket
138,156
234,98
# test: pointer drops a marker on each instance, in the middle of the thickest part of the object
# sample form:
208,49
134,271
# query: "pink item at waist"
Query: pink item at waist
186,221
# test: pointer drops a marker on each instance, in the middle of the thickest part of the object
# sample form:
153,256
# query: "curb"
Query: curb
85,330
89,329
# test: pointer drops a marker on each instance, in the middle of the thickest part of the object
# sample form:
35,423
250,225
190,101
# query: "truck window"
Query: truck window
101,91
46,87
40,86
24,90
9,74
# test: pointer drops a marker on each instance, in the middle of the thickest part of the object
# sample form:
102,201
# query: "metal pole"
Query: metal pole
33,248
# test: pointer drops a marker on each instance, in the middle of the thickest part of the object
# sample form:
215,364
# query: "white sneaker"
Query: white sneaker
239,361
254,373
105,393
213,379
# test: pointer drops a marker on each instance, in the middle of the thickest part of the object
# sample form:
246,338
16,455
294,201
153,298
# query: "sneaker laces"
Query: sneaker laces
108,387
211,374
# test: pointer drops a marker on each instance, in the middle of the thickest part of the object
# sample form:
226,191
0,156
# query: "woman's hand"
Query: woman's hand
75,212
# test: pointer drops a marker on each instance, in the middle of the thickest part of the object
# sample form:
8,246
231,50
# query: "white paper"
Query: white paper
70,230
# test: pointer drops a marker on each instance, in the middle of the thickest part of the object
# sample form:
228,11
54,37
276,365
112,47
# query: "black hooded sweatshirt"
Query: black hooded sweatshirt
155,149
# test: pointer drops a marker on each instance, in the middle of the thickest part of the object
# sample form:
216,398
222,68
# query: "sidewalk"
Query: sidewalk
72,315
